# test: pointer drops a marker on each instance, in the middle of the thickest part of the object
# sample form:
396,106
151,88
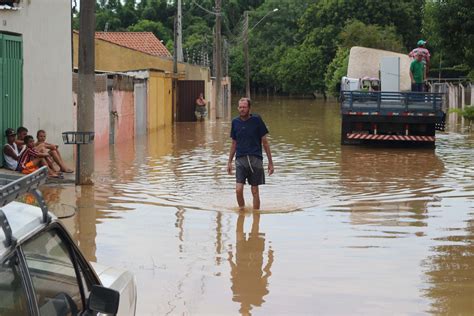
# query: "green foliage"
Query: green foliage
448,27
304,46
156,28
336,70
467,113
357,33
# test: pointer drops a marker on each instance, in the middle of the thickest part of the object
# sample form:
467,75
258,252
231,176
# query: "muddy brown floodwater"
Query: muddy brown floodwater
342,231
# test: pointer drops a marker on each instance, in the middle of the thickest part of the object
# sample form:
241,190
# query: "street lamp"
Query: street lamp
246,47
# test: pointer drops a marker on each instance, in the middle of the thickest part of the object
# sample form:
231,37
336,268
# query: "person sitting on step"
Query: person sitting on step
10,150
31,160
51,149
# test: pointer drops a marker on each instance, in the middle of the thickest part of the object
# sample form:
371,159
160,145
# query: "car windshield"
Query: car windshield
53,274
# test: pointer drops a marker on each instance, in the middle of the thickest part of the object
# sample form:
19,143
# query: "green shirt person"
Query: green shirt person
417,74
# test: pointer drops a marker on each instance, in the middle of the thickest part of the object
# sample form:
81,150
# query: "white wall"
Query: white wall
45,26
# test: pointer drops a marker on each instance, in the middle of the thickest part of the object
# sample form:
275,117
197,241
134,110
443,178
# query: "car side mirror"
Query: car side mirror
103,300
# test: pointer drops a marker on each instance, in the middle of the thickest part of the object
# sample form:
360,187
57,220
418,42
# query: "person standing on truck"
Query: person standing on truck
417,73
424,52
249,133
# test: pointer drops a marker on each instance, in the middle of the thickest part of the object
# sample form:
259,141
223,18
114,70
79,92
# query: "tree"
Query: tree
357,33
448,27
336,70
156,28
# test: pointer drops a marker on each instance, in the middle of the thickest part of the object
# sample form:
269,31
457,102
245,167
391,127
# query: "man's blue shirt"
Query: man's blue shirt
248,135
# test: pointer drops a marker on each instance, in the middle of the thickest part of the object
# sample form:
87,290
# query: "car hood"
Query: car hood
122,281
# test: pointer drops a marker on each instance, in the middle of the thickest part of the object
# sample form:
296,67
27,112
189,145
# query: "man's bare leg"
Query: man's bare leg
239,192
42,149
43,162
256,197
59,160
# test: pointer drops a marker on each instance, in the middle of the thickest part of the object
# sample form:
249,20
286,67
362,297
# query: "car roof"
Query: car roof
25,220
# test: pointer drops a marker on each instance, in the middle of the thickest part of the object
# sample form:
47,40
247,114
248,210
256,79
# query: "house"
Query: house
143,53
35,67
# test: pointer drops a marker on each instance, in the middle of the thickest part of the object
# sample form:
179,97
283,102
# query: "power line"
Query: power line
204,9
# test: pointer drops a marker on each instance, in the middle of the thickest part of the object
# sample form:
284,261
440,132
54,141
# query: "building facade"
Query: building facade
36,67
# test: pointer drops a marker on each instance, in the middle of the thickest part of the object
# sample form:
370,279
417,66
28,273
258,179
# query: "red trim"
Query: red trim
391,137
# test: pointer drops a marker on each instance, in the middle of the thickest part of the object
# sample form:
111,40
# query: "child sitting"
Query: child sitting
30,159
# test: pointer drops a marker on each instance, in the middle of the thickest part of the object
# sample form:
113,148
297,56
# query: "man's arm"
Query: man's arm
231,156
7,150
41,154
51,146
266,147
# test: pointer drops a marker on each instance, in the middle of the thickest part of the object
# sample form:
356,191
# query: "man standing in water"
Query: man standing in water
248,134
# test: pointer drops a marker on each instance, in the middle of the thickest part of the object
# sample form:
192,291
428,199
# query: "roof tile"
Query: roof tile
145,42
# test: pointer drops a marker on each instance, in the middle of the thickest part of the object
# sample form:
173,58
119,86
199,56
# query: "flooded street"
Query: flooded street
342,231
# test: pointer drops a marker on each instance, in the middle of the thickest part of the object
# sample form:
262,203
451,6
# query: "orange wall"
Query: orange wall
159,100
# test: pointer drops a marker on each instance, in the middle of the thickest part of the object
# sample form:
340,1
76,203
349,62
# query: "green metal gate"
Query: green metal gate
11,84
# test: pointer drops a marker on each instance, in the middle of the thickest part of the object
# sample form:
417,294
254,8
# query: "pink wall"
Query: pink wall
123,103
101,120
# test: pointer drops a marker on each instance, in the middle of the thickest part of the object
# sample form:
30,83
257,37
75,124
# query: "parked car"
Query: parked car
42,271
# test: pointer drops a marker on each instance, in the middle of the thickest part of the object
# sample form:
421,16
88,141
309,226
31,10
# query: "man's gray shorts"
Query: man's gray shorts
249,168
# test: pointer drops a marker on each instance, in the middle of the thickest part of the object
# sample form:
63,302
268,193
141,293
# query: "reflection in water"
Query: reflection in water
249,276
449,267
378,230
451,275
389,188
86,217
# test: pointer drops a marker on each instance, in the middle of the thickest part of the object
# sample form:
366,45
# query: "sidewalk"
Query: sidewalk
68,177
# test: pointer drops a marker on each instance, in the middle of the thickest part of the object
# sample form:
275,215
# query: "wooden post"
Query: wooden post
179,37
218,60
463,102
246,54
86,88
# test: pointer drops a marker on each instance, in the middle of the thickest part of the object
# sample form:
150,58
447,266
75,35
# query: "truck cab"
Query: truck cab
42,271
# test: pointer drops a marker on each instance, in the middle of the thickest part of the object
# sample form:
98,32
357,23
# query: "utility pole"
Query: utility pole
175,68
86,89
179,37
246,47
218,60
246,54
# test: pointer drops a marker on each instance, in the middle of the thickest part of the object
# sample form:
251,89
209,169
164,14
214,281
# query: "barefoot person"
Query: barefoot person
30,159
249,133
44,147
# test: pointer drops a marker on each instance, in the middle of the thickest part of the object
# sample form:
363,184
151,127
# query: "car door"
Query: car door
60,281
13,289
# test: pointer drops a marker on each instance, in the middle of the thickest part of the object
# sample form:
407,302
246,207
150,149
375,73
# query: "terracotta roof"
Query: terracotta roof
145,42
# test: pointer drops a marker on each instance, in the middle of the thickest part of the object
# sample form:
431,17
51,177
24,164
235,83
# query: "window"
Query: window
13,301
53,274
